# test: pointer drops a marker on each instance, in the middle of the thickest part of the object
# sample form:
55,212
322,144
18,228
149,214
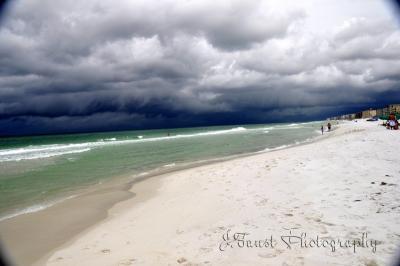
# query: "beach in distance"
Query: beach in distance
332,200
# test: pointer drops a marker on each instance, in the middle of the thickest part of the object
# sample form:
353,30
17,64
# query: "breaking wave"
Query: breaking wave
45,151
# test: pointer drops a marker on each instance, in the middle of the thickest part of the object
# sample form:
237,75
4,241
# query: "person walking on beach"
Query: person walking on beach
329,126
322,129
391,121
392,124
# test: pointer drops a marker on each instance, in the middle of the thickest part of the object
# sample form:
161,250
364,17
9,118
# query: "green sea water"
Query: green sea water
38,171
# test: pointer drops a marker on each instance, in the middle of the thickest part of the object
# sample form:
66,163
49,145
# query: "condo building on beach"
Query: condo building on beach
370,113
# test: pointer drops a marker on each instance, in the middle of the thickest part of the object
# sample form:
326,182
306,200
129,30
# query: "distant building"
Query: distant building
385,111
368,113
393,108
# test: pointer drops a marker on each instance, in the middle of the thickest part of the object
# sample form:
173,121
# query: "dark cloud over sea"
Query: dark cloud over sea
68,66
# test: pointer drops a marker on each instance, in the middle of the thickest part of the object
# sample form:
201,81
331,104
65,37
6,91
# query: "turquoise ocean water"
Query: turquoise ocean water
36,172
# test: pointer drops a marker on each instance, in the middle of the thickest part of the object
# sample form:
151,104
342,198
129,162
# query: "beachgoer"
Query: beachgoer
322,129
329,126
391,121
392,124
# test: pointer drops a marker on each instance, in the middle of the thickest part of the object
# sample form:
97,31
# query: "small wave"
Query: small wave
307,123
277,148
143,173
34,208
216,132
108,139
282,127
32,153
268,128
288,145
266,131
169,165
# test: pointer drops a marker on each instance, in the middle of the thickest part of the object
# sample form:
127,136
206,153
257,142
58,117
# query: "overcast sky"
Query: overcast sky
70,66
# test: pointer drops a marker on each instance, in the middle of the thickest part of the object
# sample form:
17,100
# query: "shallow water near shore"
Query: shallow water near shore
37,172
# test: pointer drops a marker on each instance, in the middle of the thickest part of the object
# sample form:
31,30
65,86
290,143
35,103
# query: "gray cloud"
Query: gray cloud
171,63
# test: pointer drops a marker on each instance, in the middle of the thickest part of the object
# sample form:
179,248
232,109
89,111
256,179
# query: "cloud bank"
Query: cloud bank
101,65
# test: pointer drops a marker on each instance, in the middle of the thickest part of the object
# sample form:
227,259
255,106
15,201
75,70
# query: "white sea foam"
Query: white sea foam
282,127
34,208
287,146
45,151
294,127
306,123
267,128
37,153
143,173
277,148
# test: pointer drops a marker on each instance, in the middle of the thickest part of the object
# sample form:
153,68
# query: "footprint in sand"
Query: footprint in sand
328,224
206,250
127,262
106,251
181,260
323,230
371,263
261,202
267,255
299,261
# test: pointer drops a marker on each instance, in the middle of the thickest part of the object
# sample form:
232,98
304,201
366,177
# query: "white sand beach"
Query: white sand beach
336,188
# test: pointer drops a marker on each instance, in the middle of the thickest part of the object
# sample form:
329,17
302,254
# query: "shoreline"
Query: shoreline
131,176
103,198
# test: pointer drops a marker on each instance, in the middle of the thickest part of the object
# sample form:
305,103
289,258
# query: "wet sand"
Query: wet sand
29,237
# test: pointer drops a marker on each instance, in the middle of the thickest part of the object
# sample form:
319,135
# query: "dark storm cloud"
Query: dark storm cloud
97,65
